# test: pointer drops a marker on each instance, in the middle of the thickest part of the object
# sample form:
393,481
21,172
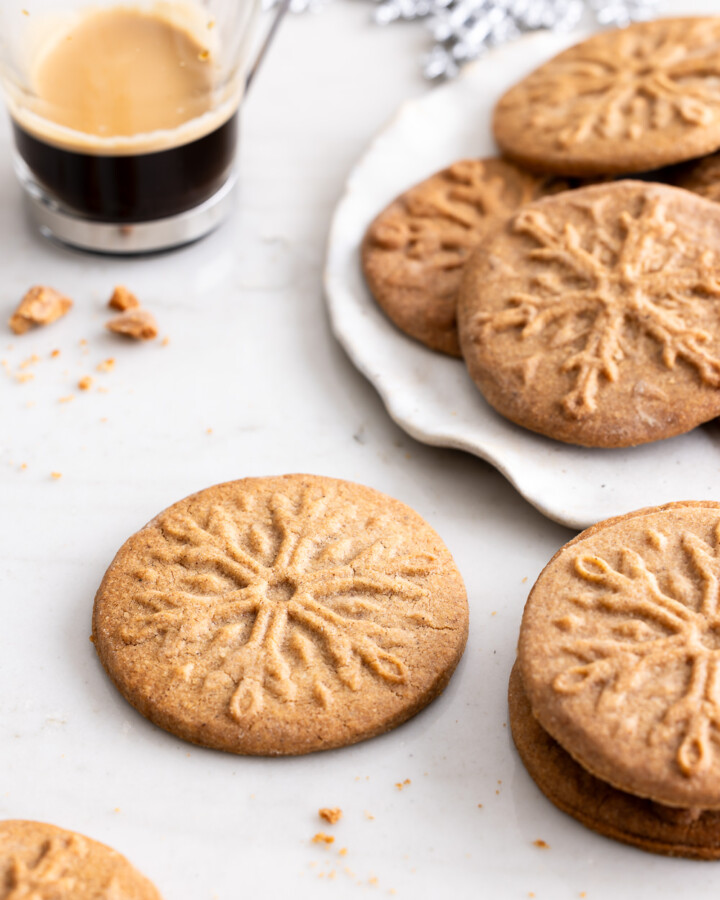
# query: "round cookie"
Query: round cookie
620,656
593,317
282,615
414,252
39,860
694,834
626,100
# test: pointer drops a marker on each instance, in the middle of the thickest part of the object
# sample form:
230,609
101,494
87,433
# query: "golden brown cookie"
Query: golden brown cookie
414,252
620,656
281,615
626,100
43,861
615,814
593,317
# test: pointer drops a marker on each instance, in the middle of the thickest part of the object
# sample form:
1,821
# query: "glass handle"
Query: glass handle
282,8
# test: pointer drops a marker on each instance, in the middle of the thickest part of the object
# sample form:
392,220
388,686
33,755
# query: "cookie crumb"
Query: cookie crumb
123,299
56,475
67,398
138,324
542,845
342,851
40,306
322,838
55,354
480,806
24,377
107,366
369,816
401,784
332,815
165,342
85,383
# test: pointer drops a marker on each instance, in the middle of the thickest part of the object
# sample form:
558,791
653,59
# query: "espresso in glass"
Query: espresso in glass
130,119
123,129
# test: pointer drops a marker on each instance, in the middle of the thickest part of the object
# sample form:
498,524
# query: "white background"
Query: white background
252,358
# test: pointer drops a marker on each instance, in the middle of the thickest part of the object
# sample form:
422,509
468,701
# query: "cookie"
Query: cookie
691,833
593,317
414,252
620,657
701,176
626,100
43,861
282,615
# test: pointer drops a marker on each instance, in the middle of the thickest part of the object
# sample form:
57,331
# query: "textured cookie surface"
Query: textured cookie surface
43,862
619,652
414,252
599,806
627,100
594,317
281,615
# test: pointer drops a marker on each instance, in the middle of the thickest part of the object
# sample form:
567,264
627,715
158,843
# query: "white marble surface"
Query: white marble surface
252,358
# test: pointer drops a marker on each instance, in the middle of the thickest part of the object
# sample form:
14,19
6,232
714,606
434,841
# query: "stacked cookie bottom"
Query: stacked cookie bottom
694,834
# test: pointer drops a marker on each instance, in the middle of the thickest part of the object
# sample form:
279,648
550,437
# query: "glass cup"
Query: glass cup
125,115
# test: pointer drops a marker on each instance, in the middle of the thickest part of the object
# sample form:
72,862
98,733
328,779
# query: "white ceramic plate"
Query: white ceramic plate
431,396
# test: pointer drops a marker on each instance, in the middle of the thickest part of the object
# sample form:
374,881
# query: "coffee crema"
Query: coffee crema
125,124
123,72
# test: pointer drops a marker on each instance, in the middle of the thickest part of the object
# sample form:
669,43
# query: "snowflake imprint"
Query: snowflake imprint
309,602
442,219
634,82
653,630
633,273
49,875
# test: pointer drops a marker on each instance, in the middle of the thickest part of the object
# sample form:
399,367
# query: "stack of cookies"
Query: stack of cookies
615,696
587,308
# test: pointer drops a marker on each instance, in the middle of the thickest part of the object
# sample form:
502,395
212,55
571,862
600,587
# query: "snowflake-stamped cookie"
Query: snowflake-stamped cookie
627,100
414,252
43,862
593,317
282,615
615,697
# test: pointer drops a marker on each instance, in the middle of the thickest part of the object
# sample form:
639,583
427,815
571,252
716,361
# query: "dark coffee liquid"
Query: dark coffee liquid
140,188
